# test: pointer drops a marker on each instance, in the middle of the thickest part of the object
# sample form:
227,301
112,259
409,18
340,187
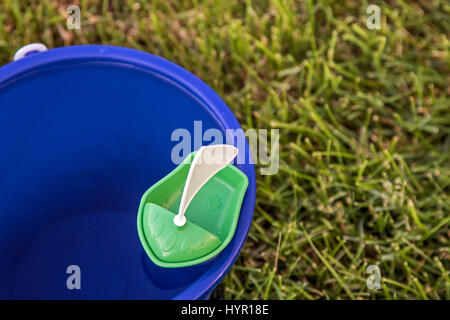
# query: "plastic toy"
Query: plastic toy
205,189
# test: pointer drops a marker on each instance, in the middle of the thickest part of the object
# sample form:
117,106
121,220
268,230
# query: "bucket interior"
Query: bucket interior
83,142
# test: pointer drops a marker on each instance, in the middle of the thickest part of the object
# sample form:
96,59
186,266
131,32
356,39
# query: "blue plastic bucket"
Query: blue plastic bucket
84,132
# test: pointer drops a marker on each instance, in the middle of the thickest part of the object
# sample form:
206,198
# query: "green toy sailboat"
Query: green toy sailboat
190,215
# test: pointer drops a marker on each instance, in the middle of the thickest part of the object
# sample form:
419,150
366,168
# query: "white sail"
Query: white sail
206,163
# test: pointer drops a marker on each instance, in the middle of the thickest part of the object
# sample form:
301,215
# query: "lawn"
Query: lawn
364,120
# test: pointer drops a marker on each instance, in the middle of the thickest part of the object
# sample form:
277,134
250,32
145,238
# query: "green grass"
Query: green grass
364,119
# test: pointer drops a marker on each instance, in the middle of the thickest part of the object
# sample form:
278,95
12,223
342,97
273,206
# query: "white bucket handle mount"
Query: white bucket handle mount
29,48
